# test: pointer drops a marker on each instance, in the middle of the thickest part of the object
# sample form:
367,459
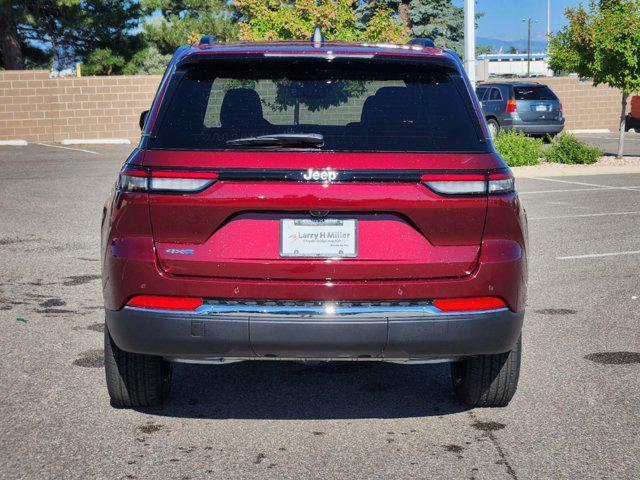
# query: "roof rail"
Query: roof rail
208,40
422,42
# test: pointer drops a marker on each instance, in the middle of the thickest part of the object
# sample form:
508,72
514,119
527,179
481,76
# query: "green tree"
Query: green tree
148,61
295,19
69,30
483,49
603,43
10,39
102,61
439,20
180,22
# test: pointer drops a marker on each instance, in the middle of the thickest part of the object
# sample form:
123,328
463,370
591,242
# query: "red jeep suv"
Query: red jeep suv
314,201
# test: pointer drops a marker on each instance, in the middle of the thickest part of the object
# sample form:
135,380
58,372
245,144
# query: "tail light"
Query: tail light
470,184
560,106
469,304
165,181
512,106
156,302
501,182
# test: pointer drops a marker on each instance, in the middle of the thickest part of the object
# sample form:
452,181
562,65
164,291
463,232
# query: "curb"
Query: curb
589,130
96,141
571,170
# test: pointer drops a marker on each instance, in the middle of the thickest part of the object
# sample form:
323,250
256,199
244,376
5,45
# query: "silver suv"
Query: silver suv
525,106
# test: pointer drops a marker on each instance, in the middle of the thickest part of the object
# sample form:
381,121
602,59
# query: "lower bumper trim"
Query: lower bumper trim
538,129
420,334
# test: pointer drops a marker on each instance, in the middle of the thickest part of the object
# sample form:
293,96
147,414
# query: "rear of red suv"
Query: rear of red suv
314,202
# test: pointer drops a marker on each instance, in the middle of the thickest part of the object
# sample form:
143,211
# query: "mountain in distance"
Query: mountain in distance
537,46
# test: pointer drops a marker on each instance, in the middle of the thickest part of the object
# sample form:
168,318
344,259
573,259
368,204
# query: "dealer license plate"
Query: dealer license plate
318,237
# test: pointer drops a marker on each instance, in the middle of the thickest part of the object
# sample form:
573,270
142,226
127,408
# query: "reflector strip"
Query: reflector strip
164,303
469,304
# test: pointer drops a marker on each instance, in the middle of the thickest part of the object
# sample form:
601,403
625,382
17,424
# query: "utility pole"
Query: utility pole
529,22
548,22
470,40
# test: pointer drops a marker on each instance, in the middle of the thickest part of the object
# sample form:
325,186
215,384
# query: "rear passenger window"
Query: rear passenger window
480,92
541,92
495,94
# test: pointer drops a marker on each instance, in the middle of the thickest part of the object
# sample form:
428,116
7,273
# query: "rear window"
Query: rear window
534,93
355,105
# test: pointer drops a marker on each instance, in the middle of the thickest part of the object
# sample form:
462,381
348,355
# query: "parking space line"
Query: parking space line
577,190
68,148
634,189
598,255
581,215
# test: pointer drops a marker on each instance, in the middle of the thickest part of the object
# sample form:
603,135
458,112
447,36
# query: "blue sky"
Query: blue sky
503,18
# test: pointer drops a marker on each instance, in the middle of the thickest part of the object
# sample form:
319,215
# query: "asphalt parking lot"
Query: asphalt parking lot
576,413
608,142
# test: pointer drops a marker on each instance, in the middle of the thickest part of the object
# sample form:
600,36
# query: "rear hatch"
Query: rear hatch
316,170
537,104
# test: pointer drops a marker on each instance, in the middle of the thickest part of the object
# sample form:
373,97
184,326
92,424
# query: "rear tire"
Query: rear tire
487,380
493,126
133,379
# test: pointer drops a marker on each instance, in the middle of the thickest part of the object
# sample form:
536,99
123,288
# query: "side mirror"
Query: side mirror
143,118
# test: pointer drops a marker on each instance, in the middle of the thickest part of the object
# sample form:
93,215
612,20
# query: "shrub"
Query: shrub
517,149
566,148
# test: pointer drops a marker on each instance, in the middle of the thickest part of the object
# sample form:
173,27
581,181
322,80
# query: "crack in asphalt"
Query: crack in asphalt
487,429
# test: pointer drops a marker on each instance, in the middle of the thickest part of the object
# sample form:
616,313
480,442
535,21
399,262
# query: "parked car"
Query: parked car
314,201
528,107
632,120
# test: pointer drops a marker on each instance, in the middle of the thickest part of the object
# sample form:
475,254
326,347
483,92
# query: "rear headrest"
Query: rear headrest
391,91
390,105
241,107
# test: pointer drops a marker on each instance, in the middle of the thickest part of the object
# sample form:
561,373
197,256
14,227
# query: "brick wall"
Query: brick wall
37,108
585,106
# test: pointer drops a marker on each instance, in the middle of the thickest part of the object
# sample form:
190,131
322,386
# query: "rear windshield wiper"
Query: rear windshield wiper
281,139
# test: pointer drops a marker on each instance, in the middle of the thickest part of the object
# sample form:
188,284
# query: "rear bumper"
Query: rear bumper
538,129
212,333
631,122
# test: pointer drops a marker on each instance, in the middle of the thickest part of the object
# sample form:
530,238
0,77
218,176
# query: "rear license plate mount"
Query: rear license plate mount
318,238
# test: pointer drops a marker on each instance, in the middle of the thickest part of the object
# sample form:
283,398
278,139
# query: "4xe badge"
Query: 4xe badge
180,251
325,176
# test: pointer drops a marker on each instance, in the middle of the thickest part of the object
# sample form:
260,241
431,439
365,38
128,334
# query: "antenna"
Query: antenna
317,37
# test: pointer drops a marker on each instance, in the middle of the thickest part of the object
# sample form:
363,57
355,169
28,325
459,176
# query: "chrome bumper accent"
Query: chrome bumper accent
320,310
227,360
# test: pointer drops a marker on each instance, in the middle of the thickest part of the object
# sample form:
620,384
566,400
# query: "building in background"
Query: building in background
511,65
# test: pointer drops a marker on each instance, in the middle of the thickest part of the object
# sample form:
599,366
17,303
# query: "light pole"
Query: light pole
470,40
548,18
529,22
